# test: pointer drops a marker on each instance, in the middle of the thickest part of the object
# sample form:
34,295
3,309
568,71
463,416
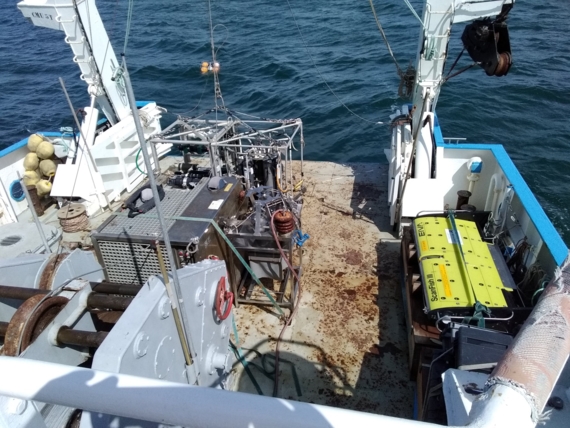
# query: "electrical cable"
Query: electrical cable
539,290
295,305
460,318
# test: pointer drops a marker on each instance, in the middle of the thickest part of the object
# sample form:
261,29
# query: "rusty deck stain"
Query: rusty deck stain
347,345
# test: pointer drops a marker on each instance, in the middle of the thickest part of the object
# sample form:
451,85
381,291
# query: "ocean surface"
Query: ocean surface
267,71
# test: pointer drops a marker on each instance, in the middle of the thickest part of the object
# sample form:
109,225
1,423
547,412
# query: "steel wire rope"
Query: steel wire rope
383,34
407,77
215,70
457,73
414,13
128,27
320,74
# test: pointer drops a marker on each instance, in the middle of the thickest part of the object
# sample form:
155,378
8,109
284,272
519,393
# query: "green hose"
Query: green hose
137,162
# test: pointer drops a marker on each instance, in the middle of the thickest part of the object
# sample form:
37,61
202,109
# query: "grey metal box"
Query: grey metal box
125,246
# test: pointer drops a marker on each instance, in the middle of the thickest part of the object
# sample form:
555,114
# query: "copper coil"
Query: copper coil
284,222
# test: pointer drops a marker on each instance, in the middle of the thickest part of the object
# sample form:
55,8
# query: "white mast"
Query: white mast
92,50
437,18
415,141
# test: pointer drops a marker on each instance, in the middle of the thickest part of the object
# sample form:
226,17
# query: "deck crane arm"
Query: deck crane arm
92,50
413,154
437,18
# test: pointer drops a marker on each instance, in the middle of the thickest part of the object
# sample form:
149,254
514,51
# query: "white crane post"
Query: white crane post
437,19
92,50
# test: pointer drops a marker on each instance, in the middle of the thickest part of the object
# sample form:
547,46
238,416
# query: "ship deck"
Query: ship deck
347,345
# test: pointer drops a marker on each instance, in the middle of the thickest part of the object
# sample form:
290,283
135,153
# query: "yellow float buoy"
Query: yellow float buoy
33,141
31,178
48,167
31,162
45,150
44,187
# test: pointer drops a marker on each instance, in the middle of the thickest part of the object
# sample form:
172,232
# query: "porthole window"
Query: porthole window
16,191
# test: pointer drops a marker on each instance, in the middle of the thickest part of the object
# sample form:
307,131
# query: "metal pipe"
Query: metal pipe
172,403
106,301
113,288
174,293
462,198
497,185
23,293
90,339
101,299
34,214
19,293
155,157
203,143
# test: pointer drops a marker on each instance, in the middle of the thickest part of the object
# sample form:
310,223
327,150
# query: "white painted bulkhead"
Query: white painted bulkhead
440,193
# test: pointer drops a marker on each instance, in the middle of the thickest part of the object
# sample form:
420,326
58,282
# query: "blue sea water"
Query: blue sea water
267,71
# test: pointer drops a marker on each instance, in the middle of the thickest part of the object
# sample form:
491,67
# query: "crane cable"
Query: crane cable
408,77
217,88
